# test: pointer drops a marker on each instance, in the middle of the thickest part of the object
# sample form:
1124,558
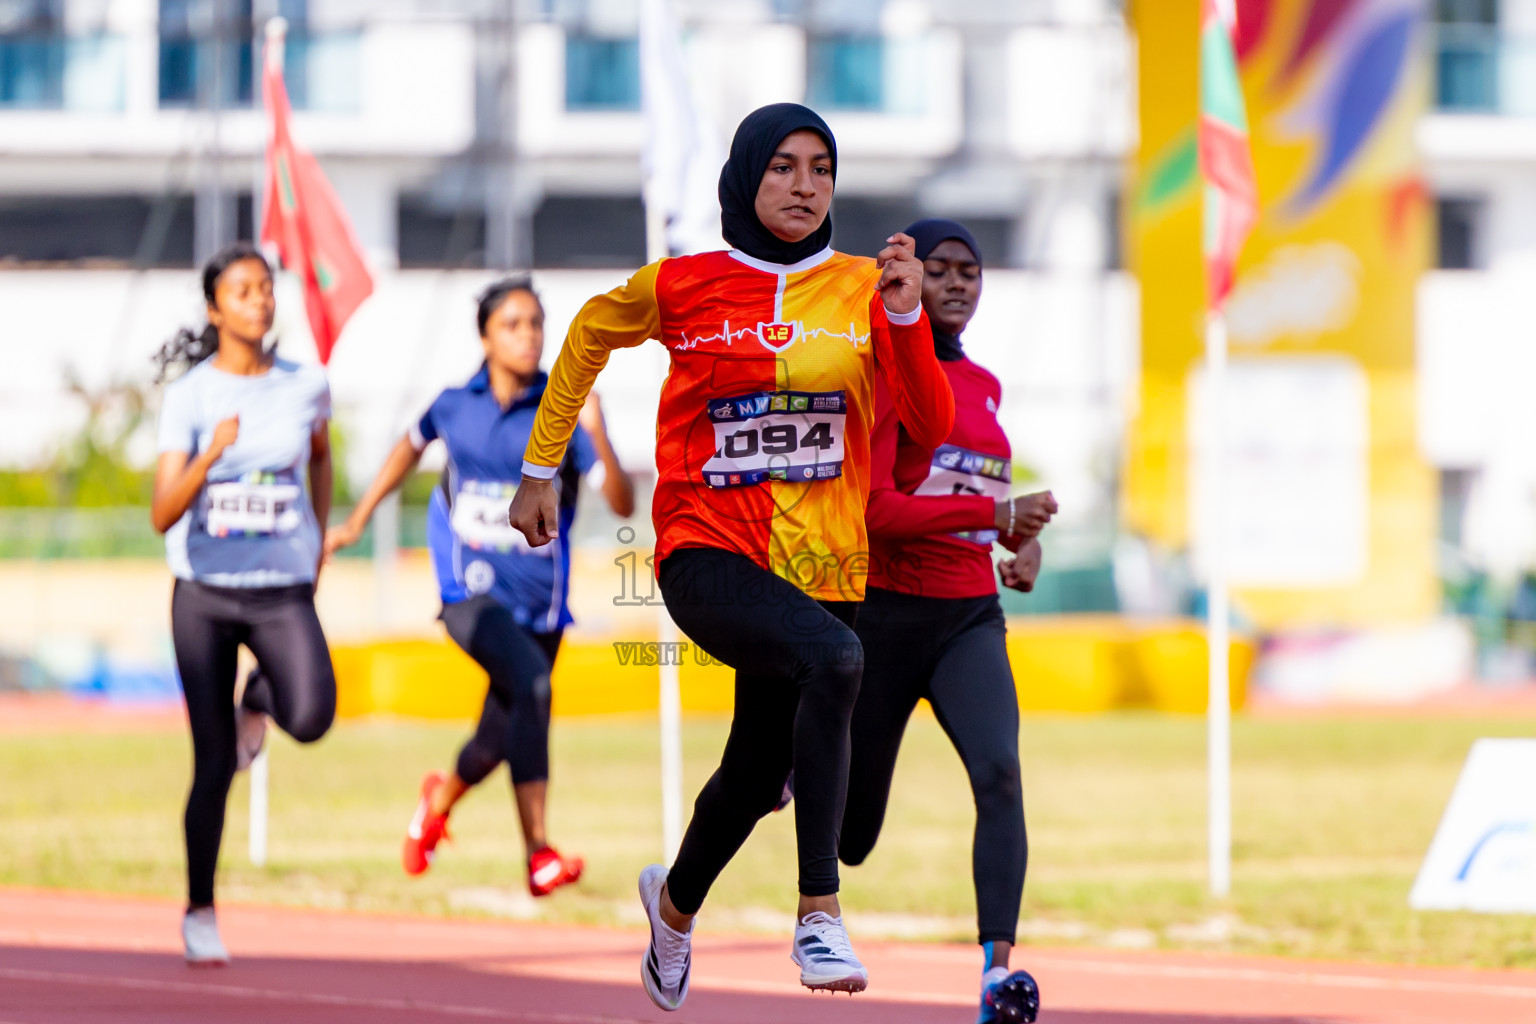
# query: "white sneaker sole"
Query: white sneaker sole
207,961
651,881
849,981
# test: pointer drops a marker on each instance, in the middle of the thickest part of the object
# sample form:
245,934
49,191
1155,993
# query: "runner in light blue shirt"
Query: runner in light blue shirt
242,485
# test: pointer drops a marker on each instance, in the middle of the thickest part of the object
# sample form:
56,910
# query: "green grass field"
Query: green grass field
1333,816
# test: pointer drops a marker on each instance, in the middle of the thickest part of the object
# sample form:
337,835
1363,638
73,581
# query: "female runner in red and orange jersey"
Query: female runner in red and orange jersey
762,459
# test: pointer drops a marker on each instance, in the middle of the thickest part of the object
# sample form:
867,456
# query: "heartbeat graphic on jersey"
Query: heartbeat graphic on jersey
767,334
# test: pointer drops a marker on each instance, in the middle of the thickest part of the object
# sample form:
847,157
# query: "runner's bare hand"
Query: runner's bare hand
535,511
1020,572
901,274
225,433
338,537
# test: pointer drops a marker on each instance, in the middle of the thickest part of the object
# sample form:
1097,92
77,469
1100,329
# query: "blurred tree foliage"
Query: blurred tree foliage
92,469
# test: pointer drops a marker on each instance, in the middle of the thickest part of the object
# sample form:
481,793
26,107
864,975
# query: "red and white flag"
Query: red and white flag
305,220
1226,163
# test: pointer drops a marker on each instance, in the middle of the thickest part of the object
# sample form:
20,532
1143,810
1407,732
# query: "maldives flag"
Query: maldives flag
1226,164
306,222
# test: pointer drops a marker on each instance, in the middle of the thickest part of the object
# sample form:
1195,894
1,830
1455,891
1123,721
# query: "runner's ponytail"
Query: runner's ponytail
187,348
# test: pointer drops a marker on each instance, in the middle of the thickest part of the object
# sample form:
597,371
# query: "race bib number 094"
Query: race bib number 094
956,470
790,436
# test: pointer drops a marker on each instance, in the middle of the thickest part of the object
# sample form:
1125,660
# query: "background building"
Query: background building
467,137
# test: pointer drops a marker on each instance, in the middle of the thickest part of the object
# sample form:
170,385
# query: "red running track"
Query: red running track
68,957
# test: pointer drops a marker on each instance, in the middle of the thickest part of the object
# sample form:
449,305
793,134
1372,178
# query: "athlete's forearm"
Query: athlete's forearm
618,488
622,318
893,515
177,486
321,481
398,465
581,359
919,388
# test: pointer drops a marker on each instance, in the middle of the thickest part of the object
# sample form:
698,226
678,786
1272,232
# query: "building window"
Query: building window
1114,230
1459,227
1467,55
589,231
1467,12
846,73
431,233
602,74
206,53
149,231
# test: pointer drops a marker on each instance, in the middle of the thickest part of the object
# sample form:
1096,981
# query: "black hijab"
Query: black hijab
928,234
757,139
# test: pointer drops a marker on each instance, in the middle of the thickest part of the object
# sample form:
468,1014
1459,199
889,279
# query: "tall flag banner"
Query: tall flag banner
683,148
1321,390
1226,163
304,218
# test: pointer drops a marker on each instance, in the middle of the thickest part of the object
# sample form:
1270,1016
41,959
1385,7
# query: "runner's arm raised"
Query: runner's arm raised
623,318
919,390
895,515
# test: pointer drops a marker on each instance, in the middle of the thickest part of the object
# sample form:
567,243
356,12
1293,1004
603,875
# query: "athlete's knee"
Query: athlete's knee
996,782
836,679
854,847
476,761
312,722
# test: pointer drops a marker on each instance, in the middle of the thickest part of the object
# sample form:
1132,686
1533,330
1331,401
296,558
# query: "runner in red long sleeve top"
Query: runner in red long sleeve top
932,513
931,626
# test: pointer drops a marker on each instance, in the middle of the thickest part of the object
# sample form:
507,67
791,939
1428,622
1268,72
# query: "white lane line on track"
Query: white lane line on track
1319,980
308,998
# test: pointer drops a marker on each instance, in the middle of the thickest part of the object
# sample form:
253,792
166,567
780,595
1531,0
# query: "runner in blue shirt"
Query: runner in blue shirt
504,603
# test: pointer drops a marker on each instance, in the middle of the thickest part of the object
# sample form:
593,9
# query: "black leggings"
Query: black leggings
797,665
514,724
952,652
295,685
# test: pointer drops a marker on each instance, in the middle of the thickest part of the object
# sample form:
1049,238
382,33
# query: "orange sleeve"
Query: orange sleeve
623,318
919,389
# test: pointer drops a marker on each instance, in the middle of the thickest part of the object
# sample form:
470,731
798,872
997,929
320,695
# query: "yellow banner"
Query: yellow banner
1332,509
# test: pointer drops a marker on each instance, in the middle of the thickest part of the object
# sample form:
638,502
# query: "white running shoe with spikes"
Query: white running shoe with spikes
825,956
667,962
200,937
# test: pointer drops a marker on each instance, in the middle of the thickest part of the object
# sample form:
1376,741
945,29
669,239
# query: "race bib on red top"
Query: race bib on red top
956,470
790,436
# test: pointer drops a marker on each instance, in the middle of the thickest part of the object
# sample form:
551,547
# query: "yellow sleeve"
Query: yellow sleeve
624,318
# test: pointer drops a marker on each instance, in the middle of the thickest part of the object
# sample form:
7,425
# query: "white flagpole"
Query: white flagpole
1219,709
669,125
276,30
669,671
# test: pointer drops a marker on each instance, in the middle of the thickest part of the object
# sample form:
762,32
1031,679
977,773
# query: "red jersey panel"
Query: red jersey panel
931,507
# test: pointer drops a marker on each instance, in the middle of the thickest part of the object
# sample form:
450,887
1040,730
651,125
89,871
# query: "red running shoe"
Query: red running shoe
426,829
548,871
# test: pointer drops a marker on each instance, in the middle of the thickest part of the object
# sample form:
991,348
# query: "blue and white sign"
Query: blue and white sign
1483,857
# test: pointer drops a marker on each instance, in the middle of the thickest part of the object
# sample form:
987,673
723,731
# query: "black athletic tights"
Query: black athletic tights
952,652
295,685
797,665
514,724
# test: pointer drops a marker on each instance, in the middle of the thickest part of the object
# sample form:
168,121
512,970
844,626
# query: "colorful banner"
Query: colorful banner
1332,508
